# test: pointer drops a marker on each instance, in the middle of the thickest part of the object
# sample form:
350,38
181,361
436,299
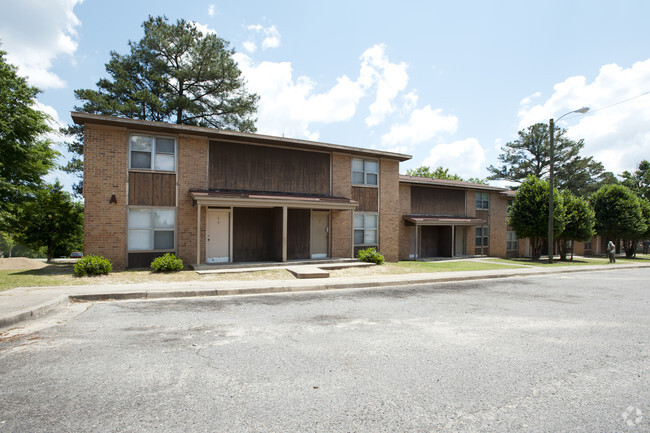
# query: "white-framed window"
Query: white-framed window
365,172
148,152
151,229
482,237
482,200
512,243
365,229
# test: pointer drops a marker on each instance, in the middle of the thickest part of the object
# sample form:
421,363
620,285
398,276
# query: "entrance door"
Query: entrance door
217,247
319,234
460,241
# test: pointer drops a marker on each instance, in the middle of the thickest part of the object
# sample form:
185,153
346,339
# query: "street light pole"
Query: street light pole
551,126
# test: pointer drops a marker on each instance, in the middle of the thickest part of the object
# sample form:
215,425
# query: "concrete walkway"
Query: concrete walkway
17,305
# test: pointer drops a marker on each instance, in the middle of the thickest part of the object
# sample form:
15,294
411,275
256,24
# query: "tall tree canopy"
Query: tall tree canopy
639,181
25,155
51,221
579,221
175,73
620,215
530,155
528,214
440,173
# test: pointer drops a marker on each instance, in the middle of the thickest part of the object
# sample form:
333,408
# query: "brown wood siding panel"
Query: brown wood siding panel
437,201
298,234
142,260
152,189
435,241
367,198
237,166
253,235
483,214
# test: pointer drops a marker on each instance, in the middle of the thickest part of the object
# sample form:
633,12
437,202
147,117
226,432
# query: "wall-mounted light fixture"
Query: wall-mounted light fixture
113,199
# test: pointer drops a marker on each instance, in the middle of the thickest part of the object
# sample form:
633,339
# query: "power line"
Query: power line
621,102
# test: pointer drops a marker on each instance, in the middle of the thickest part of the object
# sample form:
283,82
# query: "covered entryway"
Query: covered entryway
433,236
265,227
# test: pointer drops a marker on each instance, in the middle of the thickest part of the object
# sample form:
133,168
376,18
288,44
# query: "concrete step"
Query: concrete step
307,271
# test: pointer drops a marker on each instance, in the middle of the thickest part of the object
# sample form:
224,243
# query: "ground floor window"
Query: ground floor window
511,241
481,236
365,229
588,245
482,241
151,229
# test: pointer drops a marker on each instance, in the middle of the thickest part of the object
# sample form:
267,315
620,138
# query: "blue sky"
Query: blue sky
447,82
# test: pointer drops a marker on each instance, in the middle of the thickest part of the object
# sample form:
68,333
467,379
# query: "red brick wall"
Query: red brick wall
192,173
389,209
105,173
404,231
341,231
498,225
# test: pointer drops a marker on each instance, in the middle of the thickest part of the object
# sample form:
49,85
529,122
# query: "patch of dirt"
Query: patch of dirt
20,264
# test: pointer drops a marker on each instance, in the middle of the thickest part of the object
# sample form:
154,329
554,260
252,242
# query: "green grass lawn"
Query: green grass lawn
448,266
575,262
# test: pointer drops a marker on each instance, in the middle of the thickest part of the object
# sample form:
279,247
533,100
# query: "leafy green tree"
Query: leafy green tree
25,155
639,181
530,155
579,222
528,214
440,173
175,73
51,220
619,215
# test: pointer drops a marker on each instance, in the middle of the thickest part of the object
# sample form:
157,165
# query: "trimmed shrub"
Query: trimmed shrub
370,255
167,263
92,265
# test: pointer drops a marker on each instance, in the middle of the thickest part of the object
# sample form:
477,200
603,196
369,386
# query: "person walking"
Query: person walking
611,251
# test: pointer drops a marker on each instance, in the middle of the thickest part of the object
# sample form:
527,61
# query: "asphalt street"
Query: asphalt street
562,353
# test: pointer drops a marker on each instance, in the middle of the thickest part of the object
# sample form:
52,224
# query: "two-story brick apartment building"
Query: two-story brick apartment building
449,218
216,196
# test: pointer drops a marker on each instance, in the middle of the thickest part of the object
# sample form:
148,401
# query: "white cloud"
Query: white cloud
203,28
250,46
464,157
211,10
288,106
36,33
271,37
389,79
423,125
616,133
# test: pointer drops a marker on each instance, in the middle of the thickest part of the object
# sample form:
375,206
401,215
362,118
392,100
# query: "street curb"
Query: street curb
47,307
38,311
143,295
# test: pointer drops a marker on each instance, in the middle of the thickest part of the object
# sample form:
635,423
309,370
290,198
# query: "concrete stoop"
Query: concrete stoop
308,271
303,267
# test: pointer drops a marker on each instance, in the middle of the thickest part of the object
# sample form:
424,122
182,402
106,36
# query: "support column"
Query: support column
285,215
453,241
198,235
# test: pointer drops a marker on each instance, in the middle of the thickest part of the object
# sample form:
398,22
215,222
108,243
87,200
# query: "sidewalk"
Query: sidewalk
17,305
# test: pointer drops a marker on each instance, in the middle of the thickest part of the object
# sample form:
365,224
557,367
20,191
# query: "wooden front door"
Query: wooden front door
319,234
217,247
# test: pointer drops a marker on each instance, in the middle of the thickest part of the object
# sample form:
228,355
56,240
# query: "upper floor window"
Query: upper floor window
153,153
482,200
364,172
